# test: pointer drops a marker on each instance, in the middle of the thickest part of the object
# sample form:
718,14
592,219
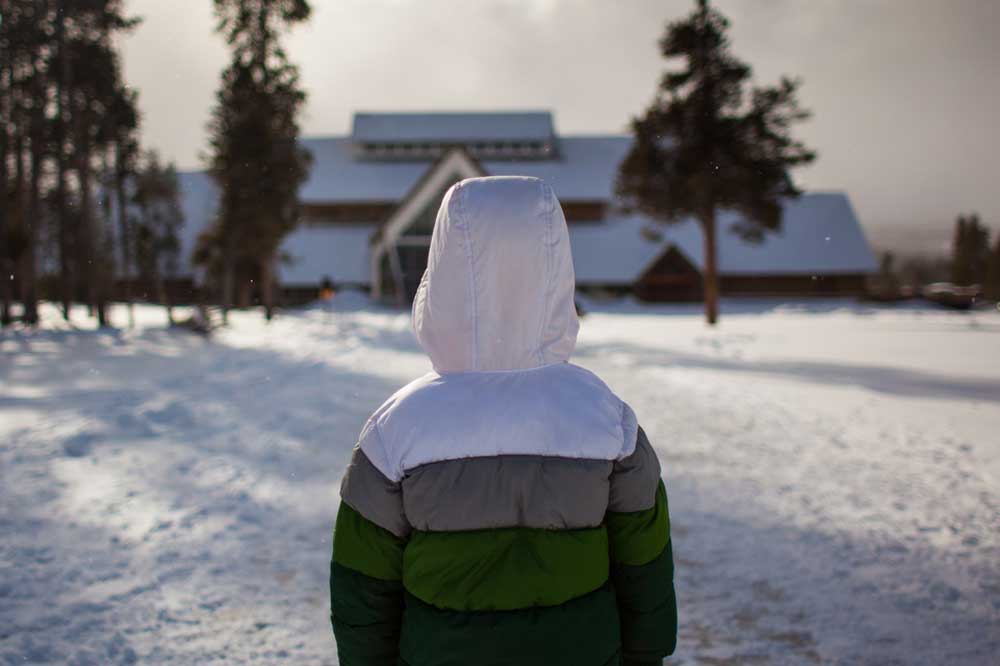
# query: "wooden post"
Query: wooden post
710,274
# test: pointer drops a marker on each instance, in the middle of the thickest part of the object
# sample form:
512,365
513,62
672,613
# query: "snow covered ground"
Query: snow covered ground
833,471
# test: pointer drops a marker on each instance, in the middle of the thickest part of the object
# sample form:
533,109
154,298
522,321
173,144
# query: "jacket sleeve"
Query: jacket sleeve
642,566
366,590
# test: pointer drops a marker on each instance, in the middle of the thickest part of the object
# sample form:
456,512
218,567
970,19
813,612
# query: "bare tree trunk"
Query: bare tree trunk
267,287
162,295
6,312
6,94
15,236
710,276
243,295
62,67
124,229
88,259
104,256
228,277
29,288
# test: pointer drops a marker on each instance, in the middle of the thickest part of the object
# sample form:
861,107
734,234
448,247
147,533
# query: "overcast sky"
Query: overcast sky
905,93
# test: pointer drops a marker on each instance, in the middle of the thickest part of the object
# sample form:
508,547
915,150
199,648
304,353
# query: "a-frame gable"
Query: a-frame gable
454,165
426,193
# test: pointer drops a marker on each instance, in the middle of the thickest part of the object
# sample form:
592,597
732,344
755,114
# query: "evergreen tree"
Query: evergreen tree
156,196
59,78
709,142
9,197
256,158
22,36
123,127
95,93
992,286
888,280
970,253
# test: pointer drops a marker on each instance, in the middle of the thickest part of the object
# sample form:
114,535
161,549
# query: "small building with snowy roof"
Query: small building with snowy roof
369,204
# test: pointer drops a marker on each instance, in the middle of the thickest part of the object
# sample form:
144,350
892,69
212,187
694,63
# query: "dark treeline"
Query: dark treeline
973,261
85,215
69,158
970,252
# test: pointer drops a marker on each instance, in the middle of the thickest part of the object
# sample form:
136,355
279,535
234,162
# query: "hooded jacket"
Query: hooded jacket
506,508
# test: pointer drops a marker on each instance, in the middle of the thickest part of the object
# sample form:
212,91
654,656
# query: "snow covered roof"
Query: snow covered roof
584,169
340,253
820,235
452,127
613,252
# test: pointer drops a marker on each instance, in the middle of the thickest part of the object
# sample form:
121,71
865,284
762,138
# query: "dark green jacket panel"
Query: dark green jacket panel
648,608
642,571
366,590
581,632
366,614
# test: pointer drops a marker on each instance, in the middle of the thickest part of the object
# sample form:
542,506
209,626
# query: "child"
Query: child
505,508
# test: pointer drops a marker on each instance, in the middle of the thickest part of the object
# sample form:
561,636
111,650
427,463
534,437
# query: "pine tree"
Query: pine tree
709,141
970,251
95,93
156,246
8,197
992,286
979,249
256,158
888,279
21,37
123,121
58,78
959,253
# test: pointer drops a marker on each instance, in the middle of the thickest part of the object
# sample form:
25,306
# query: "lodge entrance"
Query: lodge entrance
403,243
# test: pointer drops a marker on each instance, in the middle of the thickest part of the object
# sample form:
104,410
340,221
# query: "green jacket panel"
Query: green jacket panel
360,544
504,569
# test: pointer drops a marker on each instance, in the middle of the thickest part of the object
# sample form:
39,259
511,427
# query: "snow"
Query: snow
833,473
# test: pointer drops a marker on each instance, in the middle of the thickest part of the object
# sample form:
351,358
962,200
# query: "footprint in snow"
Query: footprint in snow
79,444
173,414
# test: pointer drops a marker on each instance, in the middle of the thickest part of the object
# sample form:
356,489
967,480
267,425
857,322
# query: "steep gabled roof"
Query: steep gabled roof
820,235
584,169
452,127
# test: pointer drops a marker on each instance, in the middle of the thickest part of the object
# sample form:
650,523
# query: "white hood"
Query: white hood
498,290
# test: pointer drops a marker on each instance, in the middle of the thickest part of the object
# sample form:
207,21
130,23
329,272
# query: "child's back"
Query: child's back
505,508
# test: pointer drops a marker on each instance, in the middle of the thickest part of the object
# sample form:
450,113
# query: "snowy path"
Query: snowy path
834,476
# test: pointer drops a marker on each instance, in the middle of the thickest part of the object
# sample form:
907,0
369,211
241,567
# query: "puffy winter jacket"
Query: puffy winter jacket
506,508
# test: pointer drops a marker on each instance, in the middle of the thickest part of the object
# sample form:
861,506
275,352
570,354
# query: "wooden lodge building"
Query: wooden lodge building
369,205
